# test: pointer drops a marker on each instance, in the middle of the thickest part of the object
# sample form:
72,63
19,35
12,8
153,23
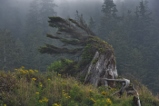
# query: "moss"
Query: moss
91,45
87,54
95,44
100,45
95,61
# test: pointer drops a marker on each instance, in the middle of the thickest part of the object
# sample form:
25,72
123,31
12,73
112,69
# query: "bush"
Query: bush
7,82
60,65
31,88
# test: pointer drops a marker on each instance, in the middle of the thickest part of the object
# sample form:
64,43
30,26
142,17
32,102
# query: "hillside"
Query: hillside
24,87
130,26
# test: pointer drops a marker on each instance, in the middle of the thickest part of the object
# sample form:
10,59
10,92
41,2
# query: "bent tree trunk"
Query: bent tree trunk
101,66
97,56
97,60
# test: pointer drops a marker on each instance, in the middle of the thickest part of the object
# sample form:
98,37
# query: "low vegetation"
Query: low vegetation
24,87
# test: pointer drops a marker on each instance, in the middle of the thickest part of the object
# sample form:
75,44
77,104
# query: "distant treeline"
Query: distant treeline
133,33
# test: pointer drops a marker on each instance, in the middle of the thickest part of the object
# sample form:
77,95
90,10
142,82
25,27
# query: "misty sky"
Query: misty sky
59,1
67,8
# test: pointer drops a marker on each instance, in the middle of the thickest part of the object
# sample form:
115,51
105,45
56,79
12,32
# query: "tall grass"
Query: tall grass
31,88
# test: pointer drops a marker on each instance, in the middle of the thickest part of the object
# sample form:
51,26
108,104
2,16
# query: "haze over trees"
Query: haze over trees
131,27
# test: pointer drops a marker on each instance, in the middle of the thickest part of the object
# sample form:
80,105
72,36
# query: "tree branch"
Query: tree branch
51,49
67,41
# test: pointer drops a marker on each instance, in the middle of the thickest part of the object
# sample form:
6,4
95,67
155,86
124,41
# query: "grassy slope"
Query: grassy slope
32,88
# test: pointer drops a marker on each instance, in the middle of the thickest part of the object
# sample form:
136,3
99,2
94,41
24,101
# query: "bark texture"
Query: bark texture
101,66
97,61
97,56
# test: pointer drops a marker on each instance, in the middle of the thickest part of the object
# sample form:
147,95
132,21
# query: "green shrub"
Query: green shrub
54,90
7,82
55,66
61,66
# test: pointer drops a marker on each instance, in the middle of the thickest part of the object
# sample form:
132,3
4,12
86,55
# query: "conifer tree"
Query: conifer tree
109,9
33,17
10,53
92,25
34,37
95,54
143,23
47,8
109,19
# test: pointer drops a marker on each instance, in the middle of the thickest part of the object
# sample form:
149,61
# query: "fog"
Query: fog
67,8
134,37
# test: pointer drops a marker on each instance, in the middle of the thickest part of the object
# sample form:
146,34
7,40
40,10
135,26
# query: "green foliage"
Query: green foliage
53,90
87,54
109,9
60,65
56,66
134,38
109,21
103,102
95,61
95,44
10,51
8,82
92,25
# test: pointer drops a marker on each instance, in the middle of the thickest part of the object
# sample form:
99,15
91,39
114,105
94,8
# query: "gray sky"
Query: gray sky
59,1
67,7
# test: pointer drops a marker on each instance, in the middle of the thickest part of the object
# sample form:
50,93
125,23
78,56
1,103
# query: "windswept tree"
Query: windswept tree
97,64
96,56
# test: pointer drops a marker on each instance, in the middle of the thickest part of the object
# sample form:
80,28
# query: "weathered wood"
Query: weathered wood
101,66
125,85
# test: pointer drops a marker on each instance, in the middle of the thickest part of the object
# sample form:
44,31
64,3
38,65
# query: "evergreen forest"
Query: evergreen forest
131,27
